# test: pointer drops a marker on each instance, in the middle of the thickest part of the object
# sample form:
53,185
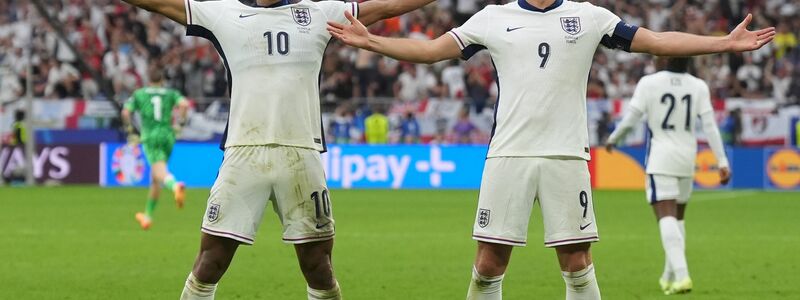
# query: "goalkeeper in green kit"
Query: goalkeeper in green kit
155,105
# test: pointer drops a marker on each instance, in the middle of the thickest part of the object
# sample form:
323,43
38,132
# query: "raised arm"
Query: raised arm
685,44
416,51
375,10
173,9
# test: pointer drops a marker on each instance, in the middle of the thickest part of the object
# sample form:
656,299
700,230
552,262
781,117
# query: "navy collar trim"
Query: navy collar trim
527,6
252,3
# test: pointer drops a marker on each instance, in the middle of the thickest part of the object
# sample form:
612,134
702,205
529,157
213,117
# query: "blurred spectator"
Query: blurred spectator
785,40
17,140
749,76
453,77
410,132
464,130
377,128
342,126
605,126
10,85
413,85
732,128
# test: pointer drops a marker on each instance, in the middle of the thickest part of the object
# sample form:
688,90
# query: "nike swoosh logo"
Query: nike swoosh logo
323,225
509,29
242,16
586,226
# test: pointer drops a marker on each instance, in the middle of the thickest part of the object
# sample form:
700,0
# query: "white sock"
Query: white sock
485,287
582,285
332,294
674,247
682,226
196,290
668,274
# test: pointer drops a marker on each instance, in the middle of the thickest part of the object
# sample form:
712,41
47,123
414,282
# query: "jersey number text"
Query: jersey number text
156,100
671,99
280,43
544,53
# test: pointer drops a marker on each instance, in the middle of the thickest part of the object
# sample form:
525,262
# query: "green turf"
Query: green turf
83,243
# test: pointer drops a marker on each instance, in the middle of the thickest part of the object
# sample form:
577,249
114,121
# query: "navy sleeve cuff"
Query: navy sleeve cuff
471,50
621,38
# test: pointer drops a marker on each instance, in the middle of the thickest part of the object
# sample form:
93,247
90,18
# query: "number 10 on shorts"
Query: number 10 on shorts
322,201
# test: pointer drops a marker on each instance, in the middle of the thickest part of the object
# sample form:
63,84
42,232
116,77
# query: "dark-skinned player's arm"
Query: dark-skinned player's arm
410,50
685,44
173,9
373,11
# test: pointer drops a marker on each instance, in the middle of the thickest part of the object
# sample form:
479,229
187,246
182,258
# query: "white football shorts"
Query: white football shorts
291,178
511,185
666,187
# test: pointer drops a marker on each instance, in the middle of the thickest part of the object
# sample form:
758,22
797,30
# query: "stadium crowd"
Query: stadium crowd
121,43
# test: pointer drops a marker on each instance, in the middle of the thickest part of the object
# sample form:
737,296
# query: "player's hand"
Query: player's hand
355,34
724,175
743,40
610,148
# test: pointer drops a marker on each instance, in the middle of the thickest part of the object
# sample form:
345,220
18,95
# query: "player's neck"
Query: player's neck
266,2
541,4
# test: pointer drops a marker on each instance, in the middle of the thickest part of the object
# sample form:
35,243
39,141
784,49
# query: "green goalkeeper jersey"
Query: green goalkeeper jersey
155,106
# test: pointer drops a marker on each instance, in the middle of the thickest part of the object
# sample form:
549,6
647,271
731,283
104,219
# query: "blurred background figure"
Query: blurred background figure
409,129
377,127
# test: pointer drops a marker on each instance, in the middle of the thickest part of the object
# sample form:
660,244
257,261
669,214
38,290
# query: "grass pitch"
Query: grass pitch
83,243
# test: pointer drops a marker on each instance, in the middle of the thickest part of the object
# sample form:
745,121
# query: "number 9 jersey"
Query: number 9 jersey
273,57
543,58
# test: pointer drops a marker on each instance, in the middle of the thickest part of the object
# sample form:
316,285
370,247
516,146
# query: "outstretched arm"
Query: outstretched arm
375,10
685,44
173,9
416,51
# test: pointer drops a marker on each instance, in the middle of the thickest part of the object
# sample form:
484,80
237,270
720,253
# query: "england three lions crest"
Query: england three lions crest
484,216
302,16
213,212
571,25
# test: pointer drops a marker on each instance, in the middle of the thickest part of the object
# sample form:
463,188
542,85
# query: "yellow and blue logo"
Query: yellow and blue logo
706,171
783,169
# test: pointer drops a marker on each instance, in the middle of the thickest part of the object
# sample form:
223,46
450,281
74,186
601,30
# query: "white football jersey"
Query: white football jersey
543,58
671,103
273,57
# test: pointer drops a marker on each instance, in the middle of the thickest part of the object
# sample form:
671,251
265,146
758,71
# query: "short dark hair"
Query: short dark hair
678,64
19,115
156,74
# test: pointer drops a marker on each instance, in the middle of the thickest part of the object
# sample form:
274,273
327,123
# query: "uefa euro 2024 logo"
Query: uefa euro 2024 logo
128,165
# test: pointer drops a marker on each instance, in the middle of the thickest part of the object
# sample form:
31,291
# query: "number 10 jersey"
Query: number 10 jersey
273,57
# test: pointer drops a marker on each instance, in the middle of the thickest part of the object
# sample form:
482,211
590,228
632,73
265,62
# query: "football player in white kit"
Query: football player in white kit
672,100
273,51
542,50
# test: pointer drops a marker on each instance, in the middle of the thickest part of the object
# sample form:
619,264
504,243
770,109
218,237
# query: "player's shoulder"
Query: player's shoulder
138,93
214,4
325,4
696,80
581,6
651,78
